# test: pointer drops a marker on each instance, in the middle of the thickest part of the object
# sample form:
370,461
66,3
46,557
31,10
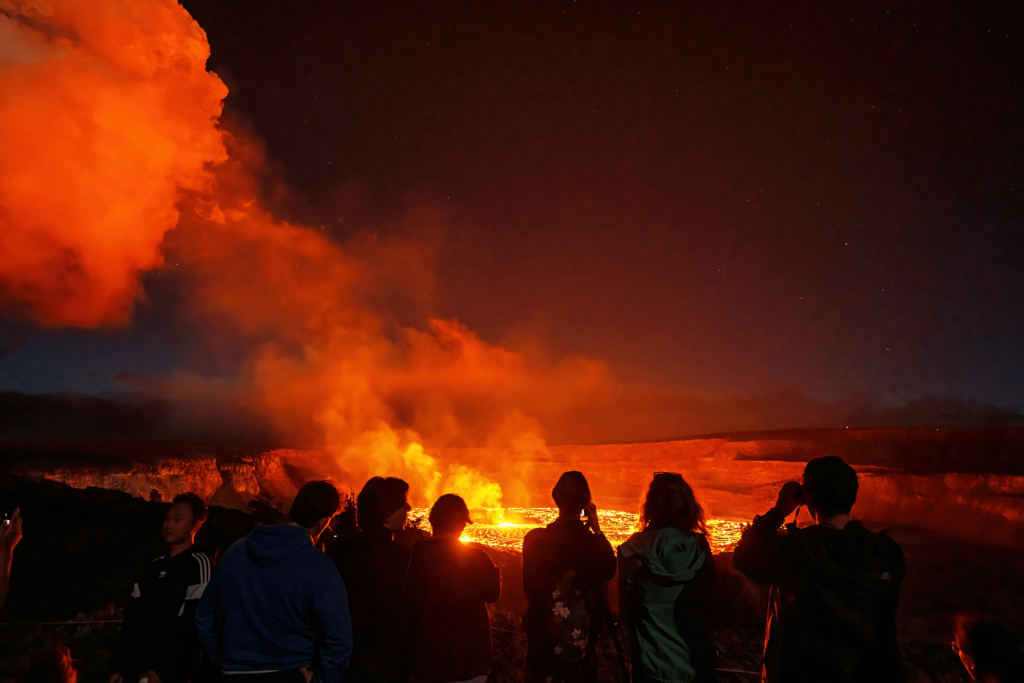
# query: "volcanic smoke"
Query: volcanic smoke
116,162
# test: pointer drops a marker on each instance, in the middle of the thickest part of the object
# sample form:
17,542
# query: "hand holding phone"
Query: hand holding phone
590,512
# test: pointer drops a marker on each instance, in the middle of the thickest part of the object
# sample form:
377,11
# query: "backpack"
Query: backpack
566,615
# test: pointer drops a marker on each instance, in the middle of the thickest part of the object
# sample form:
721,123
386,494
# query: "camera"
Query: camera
798,495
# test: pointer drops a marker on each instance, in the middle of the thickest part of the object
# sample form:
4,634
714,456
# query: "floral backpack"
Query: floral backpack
567,616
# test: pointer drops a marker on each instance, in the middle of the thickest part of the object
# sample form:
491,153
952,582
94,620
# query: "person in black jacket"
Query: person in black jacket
373,567
158,639
835,585
448,586
565,566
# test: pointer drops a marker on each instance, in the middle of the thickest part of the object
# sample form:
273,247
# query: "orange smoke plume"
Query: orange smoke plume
328,372
106,112
113,162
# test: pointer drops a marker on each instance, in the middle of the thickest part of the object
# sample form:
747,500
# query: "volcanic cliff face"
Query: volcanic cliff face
225,478
966,484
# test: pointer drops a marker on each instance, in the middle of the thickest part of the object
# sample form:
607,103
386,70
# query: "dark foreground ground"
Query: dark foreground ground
82,547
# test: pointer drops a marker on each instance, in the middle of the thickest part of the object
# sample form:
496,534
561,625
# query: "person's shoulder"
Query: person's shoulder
537,535
889,545
397,552
631,546
235,553
315,558
480,555
202,563
344,547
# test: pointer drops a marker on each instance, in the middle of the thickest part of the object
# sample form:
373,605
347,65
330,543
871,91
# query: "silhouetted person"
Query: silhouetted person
158,638
10,536
564,567
835,585
373,567
275,598
666,580
989,651
448,586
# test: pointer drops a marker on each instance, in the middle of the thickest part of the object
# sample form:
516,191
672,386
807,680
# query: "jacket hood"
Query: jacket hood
852,555
267,544
670,553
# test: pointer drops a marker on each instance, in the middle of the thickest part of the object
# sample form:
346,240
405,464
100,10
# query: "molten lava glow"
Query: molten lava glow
617,527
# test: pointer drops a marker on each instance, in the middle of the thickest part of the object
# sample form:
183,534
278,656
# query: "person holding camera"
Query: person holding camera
834,585
564,567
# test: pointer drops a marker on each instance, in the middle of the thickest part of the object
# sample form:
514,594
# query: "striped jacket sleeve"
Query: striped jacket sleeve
180,659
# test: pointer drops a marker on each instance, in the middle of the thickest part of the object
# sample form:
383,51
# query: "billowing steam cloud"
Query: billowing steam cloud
106,112
108,125
323,367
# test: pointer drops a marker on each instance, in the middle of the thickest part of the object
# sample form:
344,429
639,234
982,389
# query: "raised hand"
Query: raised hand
591,512
790,498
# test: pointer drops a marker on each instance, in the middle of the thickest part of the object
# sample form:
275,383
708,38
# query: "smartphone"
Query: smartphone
799,494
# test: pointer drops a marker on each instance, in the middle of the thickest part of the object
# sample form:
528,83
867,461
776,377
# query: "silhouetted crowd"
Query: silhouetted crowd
364,608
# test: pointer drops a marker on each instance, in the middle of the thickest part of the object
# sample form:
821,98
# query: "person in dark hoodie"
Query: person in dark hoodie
835,585
666,580
158,638
448,586
373,567
564,567
275,598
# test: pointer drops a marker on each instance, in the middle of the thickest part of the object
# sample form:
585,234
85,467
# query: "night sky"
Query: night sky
722,198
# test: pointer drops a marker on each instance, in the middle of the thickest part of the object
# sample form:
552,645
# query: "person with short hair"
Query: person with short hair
373,567
666,580
158,638
565,565
274,597
835,585
448,587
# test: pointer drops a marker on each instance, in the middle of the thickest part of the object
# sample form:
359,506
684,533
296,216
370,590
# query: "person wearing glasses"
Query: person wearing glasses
666,580
834,585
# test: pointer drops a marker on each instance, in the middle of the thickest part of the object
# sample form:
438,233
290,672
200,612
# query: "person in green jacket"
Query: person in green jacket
666,579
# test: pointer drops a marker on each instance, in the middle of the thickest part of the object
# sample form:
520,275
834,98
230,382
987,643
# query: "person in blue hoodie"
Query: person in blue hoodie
276,609
666,580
